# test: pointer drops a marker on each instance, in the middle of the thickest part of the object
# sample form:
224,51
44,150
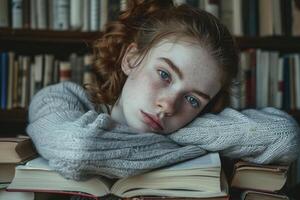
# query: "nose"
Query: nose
168,104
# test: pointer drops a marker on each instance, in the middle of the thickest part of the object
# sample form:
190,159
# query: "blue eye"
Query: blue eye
164,75
193,101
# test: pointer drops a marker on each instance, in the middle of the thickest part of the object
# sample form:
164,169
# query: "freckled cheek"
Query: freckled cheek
186,113
151,84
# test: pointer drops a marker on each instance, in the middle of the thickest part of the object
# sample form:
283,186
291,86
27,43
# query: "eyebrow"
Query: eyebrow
173,67
180,75
201,94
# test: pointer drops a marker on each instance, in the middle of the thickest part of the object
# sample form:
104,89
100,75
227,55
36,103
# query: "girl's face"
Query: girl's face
168,89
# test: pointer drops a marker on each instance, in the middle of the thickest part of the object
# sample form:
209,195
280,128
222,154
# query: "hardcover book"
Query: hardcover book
16,149
196,178
253,195
268,178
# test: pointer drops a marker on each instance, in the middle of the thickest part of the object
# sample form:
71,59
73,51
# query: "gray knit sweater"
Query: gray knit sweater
79,142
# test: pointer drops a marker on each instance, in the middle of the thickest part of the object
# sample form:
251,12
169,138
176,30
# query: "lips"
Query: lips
152,121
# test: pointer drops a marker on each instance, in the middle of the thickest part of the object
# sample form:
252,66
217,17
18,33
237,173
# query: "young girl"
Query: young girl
158,69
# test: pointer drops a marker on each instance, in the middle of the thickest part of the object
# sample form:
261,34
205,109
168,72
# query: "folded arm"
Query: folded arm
79,142
262,136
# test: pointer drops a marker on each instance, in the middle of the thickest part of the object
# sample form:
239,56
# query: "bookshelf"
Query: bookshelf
65,42
62,43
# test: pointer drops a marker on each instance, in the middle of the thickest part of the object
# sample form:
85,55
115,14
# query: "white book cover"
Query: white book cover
94,15
17,13
41,7
4,19
61,14
76,14
297,80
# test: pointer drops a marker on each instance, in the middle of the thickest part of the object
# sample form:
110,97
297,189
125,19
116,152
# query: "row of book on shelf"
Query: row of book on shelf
79,15
254,17
22,75
242,17
23,173
267,78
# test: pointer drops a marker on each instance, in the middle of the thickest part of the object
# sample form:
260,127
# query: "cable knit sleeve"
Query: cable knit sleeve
55,112
263,136
79,142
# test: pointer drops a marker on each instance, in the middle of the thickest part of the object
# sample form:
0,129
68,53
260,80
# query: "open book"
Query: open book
199,177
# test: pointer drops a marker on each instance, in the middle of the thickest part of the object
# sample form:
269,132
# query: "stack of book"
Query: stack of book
253,181
199,178
24,175
14,151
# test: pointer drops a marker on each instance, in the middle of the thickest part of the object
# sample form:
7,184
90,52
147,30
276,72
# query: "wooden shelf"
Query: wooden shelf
279,43
48,41
45,41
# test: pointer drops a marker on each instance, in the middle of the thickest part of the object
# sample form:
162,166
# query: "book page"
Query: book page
14,139
36,175
37,163
206,161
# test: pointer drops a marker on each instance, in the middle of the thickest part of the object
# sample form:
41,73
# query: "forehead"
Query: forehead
198,67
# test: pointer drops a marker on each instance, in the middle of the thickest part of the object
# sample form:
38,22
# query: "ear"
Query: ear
129,58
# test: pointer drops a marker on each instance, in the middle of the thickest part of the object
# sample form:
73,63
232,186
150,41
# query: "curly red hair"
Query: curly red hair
146,23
